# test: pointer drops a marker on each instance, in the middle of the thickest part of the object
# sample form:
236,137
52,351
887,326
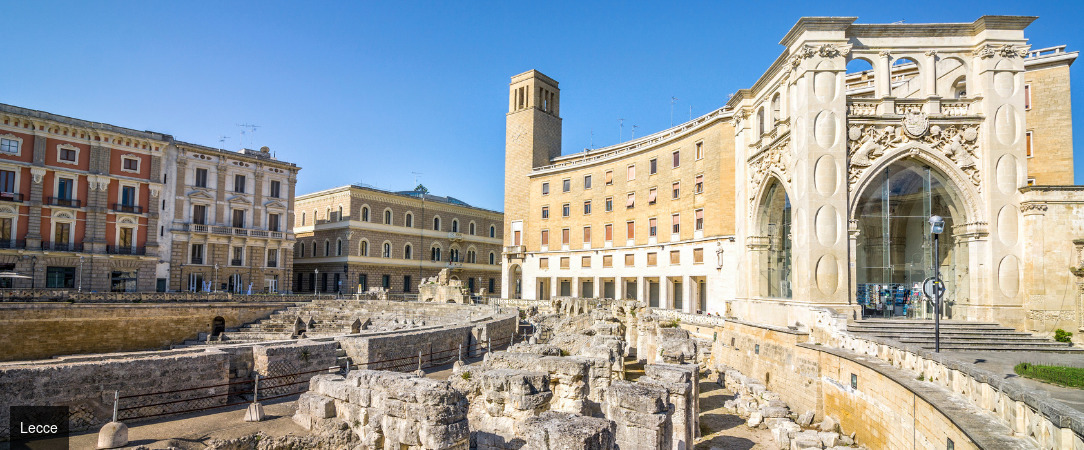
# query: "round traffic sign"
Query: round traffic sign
929,286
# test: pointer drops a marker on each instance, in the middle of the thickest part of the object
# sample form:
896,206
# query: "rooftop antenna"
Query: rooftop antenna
634,127
251,127
592,138
897,23
620,129
222,141
416,174
690,113
672,100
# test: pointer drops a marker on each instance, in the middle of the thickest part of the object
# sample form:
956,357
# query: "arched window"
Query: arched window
436,223
301,250
775,110
314,246
340,216
364,248
775,224
409,222
408,252
455,225
492,258
761,128
453,255
339,247
327,247
364,213
472,256
387,217
434,253
470,229
492,231
302,218
387,250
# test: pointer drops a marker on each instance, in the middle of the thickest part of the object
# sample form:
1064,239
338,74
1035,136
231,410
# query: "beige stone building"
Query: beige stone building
229,220
354,238
817,185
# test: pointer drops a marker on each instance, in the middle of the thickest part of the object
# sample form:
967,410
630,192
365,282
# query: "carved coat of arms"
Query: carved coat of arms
916,123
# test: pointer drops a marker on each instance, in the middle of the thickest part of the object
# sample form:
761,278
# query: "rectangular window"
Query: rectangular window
543,263
1030,145
587,207
607,261
406,283
698,256
675,257
199,214
5,229
565,262
130,164
699,151
652,196
565,232
699,186
676,189
652,226
630,230
1027,97
652,259
545,189
653,166
630,260
609,232
586,235
201,178
631,200
197,254
587,181
238,218
609,204
125,238
566,185
545,237
273,222
63,233
699,226
60,277
9,146
385,281
239,184
67,154
272,257
676,221
238,256
677,159
545,212
7,182
1031,181
276,189
585,262
630,173
127,195
566,210
609,177
64,188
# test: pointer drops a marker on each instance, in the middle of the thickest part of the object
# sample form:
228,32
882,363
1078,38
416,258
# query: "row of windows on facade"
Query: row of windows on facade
630,172
630,229
335,284
237,255
199,217
239,183
629,258
630,202
65,278
63,234
68,155
408,220
408,252
64,194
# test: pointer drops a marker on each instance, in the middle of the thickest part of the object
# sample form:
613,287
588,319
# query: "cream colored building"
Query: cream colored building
818,182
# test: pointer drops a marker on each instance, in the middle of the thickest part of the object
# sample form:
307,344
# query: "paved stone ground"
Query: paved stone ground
194,431
1003,362
724,431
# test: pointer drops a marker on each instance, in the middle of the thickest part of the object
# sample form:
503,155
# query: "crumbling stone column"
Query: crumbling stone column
641,415
554,430
681,382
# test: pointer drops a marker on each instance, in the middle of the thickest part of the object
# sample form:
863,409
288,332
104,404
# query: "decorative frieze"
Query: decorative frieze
957,142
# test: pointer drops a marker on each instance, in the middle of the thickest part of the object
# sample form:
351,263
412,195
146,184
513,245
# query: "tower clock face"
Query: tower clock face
517,134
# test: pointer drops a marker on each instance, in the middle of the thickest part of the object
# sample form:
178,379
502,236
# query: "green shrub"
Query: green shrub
1061,335
465,375
670,324
1060,375
922,376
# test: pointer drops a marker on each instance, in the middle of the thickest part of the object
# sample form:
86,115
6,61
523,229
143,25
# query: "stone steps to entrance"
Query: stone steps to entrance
956,335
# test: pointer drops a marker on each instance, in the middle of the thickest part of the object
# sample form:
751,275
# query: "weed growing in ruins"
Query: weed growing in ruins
673,323
305,355
465,376
564,352
921,376
1061,335
1060,375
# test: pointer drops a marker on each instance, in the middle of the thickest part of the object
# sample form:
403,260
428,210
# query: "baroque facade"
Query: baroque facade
353,238
817,184
230,220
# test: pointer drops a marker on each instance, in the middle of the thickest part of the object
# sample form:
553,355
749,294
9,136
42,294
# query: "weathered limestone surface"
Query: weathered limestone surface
682,383
641,415
563,431
501,401
388,409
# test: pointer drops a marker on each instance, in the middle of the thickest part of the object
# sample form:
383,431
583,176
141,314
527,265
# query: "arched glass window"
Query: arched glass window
470,229
364,248
492,258
314,247
327,248
434,254
408,252
339,247
387,250
455,226
492,231
436,223
387,217
409,220
364,213
775,227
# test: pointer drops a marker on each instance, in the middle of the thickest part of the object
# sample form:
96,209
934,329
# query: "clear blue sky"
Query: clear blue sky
373,91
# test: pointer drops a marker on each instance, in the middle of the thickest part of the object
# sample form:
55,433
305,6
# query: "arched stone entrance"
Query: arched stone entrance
774,227
893,245
515,281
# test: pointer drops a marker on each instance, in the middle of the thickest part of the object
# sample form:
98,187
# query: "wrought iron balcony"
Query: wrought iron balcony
133,209
62,246
11,197
66,202
197,260
12,243
236,262
272,264
125,250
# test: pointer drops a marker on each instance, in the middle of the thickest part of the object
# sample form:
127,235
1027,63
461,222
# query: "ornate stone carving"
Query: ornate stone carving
776,159
870,142
823,51
1033,208
155,190
38,173
1004,50
916,124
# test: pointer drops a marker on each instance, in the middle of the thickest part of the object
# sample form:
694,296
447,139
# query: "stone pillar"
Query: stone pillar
640,412
691,302
681,380
257,195
619,288
556,430
574,286
222,215
641,289
665,302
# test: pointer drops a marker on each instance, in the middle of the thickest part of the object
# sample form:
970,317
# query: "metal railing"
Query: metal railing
66,202
231,231
125,250
133,209
62,246
11,197
13,243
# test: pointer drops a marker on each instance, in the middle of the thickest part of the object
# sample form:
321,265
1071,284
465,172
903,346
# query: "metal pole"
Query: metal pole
256,389
461,352
116,403
419,360
937,298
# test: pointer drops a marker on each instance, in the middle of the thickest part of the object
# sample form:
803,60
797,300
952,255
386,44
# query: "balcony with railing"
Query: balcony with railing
125,250
13,244
272,263
131,209
237,262
11,197
903,106
62,246
231,231
65,202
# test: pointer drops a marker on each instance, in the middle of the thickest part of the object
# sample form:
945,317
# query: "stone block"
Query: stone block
773,411
555,430
113,435
755,419
806,418
805,439
829,439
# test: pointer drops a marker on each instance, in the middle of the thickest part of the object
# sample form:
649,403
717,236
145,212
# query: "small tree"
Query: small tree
1061,335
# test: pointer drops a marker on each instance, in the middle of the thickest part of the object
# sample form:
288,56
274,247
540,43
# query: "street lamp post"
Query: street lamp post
80,275
315,280
937,225
215,287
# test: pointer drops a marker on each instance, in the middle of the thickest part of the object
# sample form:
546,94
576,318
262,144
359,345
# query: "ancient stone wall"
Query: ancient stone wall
45,330
284,368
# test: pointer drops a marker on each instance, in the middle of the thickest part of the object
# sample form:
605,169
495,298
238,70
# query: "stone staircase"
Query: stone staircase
956,335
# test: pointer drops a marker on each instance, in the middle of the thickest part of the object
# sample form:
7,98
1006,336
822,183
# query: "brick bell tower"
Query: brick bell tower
532,139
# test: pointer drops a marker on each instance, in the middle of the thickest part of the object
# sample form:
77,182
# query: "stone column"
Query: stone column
691,302
36,198
257,196
574,288
222,216
619,288
665,302
641,290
